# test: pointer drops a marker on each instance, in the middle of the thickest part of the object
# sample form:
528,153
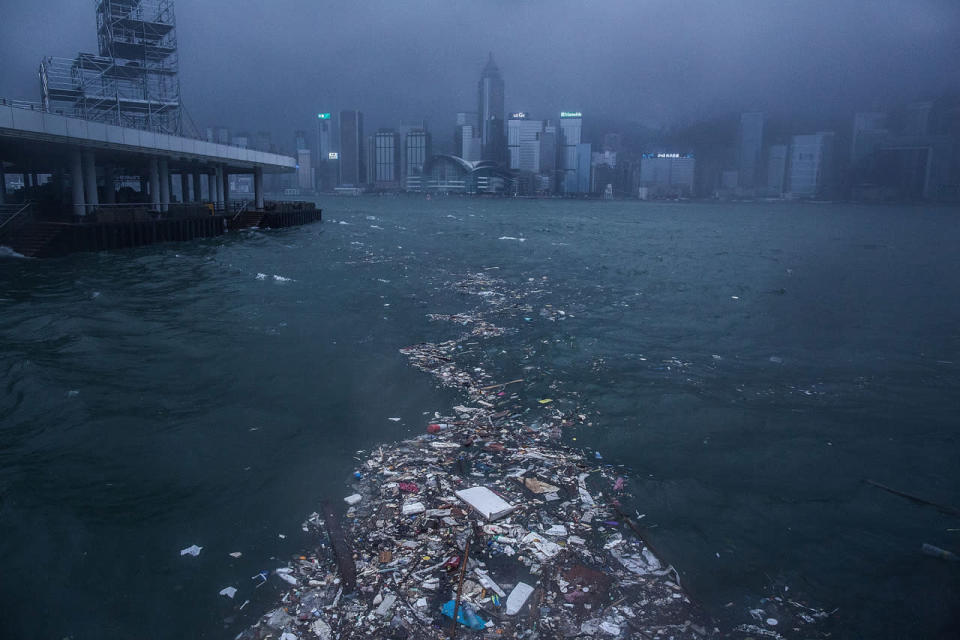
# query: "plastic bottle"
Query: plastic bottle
937,552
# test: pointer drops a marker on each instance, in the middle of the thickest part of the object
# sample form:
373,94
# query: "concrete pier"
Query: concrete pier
164,184
76,182
34,142
90,180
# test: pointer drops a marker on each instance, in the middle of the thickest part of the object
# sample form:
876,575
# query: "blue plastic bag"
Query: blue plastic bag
465,615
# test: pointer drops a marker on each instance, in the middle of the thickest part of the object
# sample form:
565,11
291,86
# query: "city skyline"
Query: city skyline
653,64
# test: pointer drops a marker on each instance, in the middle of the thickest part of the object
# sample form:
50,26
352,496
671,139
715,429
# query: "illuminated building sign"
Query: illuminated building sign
571,114
675,156
323,116
519,115
333,155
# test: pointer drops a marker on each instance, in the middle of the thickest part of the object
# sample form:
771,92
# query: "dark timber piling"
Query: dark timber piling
135,226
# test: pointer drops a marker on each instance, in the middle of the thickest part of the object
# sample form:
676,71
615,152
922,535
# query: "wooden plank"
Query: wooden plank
342,551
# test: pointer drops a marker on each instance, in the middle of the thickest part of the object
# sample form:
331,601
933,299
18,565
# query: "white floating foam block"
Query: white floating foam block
487,582
485,502
412,508
384,609
518,597
354,499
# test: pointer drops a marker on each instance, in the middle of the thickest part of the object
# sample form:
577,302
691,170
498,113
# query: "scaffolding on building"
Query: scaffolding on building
134,81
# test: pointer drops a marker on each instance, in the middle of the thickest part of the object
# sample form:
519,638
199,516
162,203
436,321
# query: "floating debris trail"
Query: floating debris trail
552,554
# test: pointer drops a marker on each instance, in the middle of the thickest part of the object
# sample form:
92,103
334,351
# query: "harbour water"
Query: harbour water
750,364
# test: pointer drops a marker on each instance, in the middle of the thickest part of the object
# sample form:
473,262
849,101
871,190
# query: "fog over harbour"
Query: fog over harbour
253,65
514,319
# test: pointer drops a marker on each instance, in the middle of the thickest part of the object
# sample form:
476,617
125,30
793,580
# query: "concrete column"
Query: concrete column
155,184
184,188
90,179
164,184
3,185
218,184
226,186
27,180
109,186
76,182
197,191
258,187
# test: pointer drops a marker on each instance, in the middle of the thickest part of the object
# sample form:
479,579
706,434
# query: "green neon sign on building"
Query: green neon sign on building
323,116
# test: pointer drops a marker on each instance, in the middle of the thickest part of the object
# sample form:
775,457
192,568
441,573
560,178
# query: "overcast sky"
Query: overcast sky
272,64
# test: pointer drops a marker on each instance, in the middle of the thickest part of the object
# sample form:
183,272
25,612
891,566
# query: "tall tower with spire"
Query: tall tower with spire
490,112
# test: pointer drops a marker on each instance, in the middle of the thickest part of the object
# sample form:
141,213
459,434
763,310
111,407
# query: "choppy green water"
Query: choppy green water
752,364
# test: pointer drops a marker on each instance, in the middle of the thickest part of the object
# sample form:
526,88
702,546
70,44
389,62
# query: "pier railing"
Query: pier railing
13,217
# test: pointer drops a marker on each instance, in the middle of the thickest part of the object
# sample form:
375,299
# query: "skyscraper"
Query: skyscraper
351,149
304,170
584,156
464,119
811,164
777,169
386,159
470,144
416,151
523,142
326,176
571,125
667,175
751,149
405,128
490,112
548,158
869,132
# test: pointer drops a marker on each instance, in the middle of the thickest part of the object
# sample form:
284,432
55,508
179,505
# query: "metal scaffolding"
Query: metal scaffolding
133,82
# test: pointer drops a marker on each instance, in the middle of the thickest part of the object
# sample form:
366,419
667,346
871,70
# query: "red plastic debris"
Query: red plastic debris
409,487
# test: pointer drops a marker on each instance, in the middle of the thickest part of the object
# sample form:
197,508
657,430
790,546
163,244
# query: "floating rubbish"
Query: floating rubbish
539,486
192,550
394,419
413,508
909,496
518,597
485,502
488,501
385,607
229,592
465,615
488,582
236,554
285,575
937,552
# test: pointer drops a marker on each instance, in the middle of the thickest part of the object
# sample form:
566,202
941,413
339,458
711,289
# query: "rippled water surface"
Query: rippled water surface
751,364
